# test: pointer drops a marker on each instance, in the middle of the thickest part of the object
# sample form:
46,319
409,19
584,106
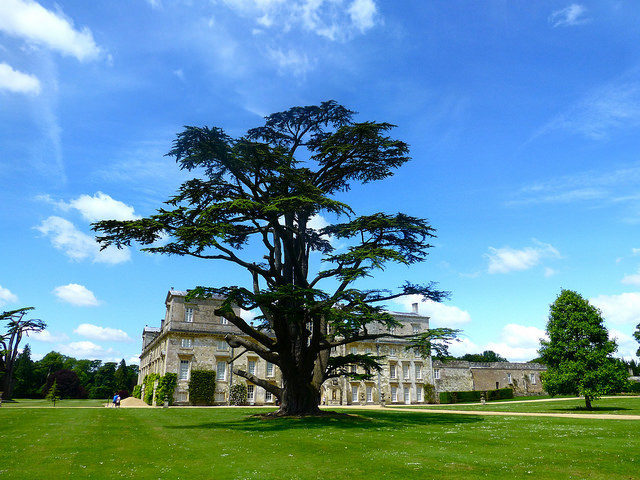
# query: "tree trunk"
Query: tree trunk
7,384
299,399
587,400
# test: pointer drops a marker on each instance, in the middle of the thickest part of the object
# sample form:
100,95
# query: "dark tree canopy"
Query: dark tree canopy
486,356
16,327
579,352
263,190
636,334
67,383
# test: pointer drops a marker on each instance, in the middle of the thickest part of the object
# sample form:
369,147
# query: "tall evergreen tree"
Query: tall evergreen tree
264,191
24,375
122,377
579,352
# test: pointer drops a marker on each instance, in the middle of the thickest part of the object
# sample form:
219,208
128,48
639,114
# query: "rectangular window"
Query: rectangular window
188,314
220,397
436,374
354,350
224,321
418,371
354,393
269,369
416,329
223,345
392,350
392,370
394,394
268,396
221,371
532,377
418,394
251,392
369,395
368,350
509,378
184,370
187,343
251,366
405,371
407,395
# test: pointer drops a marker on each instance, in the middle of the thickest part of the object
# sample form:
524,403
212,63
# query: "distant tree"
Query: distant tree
104,383
122,376
265,190
579,352
486,356
636,334
539,360
24,375
16,327
86,371
51,362
52,393
68,384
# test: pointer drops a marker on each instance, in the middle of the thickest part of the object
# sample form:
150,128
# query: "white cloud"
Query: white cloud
627,345
95,332
6,296
522,336
507,259
155,3
48,337
31,22
87,350
363,13
623,309
290,61
441,315
76,294
17,82
100,206
135,360
463,346
78,245
569,16
549,272
632,279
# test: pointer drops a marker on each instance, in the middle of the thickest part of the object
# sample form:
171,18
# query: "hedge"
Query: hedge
148,381
475,395
202,387
137,391
166,387
238,394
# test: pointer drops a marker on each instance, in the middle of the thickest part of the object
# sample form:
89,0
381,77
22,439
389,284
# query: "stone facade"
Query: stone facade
524,378
191,337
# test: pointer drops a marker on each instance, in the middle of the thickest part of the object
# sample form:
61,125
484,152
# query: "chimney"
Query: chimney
414,307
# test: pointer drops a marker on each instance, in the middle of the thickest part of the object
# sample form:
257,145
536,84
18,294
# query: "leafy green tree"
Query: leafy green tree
51,362
122,377
486,356
86,371
24,375
16,327
636,334
264,191
53,394
104,383
579,352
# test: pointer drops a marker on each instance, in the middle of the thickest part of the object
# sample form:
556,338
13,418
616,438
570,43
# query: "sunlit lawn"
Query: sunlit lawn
191,443
616,406
60,403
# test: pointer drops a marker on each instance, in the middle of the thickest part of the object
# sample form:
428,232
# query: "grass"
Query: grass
615,406
192,443
40,402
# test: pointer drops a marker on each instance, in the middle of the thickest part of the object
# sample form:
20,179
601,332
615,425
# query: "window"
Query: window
221,371
251,366
334,394
224,321
392,350
509,378
354,351
188,314
251,391
269,369
220,397
419,393
368,350
416,328
436,374
532,377
407,395
418,371
354,393
223,345
184,370
268,396
405,371
187,343
392,370
369,395
394,394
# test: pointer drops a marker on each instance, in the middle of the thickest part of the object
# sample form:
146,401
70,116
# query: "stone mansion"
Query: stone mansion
191,336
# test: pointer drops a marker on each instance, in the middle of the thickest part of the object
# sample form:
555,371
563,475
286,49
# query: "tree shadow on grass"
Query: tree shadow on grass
355,421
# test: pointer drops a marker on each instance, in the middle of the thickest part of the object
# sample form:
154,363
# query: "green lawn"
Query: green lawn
615,406
191,443
28,402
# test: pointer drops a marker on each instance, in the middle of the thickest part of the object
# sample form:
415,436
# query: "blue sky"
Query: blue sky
522,117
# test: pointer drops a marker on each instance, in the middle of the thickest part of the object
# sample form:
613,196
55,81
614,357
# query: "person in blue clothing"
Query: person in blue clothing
116,400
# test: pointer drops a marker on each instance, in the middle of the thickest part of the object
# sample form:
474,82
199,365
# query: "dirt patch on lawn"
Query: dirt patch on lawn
133,402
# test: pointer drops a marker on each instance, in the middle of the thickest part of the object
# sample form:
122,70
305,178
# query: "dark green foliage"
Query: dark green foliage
636,334
68,384
166,386
202,387
475,395
430,393
578,353
265,189
238,394
24,375
137,391
633,387
104,381
486,356
149,382
52,393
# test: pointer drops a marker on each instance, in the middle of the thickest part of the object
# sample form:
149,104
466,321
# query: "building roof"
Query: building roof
489,365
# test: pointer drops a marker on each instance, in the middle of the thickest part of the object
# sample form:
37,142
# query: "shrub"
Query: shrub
430,393
202,387
137,391
238,394
475,395
166,387
148,381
